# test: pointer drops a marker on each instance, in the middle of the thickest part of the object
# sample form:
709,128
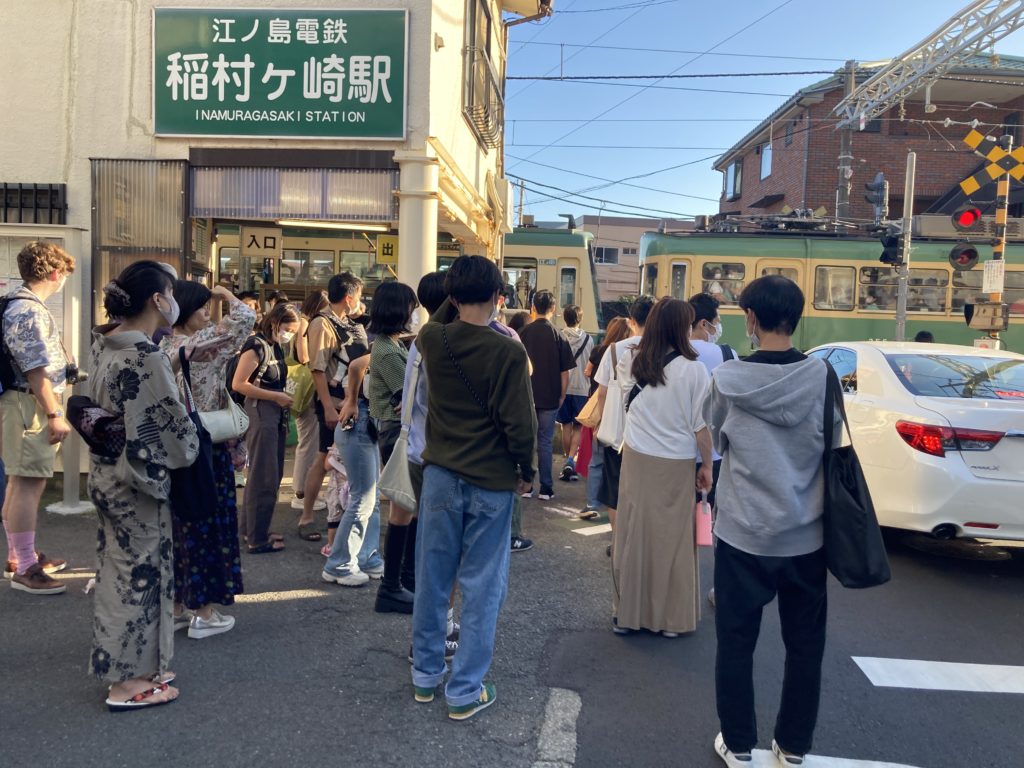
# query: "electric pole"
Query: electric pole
845,154
904,271
522,194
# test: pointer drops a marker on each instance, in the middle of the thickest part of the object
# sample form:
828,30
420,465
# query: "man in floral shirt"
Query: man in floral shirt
33,422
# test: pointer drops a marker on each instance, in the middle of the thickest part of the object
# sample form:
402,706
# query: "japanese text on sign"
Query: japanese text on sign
302,73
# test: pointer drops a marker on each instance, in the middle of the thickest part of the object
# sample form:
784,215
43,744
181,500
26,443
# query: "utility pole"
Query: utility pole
904,272
845,154
522,193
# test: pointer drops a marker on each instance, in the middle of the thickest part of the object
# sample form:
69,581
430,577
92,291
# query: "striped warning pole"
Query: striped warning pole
1002,205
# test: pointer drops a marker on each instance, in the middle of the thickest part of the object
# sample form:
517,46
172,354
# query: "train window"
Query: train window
649,278
878,287
967,288
306,267
521,278
927,290
787,272
833,288
723,280
567,287
678,287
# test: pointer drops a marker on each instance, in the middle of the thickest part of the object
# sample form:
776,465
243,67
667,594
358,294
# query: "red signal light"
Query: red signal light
966,218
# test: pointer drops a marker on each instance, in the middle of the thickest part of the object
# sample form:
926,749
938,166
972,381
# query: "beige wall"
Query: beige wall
79,86
623,279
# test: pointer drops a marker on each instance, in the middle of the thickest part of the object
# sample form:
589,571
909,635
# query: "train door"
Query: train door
677,285
568,282
520,277
792,270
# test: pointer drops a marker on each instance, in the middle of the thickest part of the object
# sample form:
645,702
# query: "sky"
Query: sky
665,137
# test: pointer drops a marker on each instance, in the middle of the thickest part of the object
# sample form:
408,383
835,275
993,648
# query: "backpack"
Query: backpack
261,368
8,373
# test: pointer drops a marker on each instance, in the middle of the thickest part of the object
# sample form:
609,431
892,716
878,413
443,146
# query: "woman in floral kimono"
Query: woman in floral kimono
207,564
133,630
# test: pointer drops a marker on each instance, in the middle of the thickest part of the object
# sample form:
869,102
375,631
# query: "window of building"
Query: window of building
765,151
629,251
873,126
790,126
483,103
724,281
833,288
605,255
734,180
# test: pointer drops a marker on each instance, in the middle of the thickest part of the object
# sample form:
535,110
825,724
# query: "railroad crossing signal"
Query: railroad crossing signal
1001,162
963,257
966,218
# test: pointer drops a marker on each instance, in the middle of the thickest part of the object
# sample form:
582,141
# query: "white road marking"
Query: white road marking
941,675
593,530
763,758
556,745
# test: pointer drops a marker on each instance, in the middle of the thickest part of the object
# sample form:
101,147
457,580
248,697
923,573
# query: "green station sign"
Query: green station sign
309,74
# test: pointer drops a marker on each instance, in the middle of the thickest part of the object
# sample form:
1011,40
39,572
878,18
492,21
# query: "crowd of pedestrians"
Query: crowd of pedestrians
466,408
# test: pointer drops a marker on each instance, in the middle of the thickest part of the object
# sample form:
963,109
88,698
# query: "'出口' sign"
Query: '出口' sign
280,73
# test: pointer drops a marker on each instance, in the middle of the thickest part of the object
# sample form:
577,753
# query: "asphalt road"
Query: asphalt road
312,675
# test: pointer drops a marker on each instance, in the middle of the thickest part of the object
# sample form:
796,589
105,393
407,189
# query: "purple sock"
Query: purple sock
10,545
23,545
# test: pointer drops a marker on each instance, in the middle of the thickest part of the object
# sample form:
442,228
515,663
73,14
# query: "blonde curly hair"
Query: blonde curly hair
38,259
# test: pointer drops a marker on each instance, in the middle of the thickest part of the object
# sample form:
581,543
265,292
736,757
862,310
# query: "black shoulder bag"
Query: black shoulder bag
854,549
193,494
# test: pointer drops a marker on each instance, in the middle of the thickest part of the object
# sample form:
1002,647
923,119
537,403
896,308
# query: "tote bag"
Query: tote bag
193,494
854,549
395,484
613,419
590,413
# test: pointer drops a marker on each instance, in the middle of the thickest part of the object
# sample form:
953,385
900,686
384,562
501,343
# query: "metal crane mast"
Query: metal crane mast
975,28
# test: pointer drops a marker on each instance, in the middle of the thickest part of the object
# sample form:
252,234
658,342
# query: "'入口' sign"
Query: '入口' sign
280,73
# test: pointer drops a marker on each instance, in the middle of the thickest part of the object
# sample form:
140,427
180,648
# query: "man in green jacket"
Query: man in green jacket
479,452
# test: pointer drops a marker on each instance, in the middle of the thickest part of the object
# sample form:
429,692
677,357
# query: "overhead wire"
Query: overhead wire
576,78
677,50
597,199
685,64
626,7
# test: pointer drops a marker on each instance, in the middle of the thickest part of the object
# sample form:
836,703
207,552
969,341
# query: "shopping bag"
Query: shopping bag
702,521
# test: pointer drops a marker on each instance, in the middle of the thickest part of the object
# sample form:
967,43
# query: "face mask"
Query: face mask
60,283
285,336
754,341
494,315
715,333
172,312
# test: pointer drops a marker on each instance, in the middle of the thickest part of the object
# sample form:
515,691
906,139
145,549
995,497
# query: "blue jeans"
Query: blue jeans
594,471
464,530
355,545
545,435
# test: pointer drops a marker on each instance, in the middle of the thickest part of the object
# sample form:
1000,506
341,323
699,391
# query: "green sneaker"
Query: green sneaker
423,695
487,697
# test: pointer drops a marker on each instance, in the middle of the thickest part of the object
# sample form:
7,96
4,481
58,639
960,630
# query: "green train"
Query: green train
851,296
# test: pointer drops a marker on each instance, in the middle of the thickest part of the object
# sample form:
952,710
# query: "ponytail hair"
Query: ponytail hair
126,295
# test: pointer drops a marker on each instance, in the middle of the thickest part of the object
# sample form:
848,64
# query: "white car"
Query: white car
939,431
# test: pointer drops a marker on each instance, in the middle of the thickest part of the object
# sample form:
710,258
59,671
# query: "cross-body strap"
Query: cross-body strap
410,396
579,351
462,373
833,399
638,388
727,353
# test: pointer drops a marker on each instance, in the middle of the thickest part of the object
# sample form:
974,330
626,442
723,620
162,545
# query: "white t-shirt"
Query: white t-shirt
712,357
663,420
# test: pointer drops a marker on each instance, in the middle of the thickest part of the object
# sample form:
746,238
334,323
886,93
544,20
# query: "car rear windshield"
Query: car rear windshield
941,375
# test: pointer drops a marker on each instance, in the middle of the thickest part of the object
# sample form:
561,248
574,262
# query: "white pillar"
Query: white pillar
417,216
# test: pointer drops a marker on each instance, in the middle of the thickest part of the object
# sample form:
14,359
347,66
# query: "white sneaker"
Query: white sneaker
730,758
354,579
218,623
784,758
299,504
184,620
376,573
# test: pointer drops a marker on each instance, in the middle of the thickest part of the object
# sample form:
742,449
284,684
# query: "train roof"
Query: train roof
564,238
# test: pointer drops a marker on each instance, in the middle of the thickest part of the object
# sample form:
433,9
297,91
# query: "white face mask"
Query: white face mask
494,315
715,333
172,312
60,283
754,341
285,336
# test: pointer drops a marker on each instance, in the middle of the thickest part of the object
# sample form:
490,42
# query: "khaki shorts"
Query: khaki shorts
26,446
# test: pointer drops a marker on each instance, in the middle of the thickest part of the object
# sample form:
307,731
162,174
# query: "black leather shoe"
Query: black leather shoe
393,601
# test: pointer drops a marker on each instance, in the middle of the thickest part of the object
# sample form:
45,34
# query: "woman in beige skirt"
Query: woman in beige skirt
654,562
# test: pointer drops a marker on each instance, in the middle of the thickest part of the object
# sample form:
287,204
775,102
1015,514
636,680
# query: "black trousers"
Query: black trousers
744,585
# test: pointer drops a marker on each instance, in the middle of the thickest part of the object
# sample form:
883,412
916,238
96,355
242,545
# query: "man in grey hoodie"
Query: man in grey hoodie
767,420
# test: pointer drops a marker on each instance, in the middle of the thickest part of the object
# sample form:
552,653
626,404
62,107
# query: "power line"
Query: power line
643,4
567,199
601,178
668,77
677,50
644,87
540,31
677,69
597,199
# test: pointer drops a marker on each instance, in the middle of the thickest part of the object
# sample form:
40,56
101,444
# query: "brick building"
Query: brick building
791,157
616,250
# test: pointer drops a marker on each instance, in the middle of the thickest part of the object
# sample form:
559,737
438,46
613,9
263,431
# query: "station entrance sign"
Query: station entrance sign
338,73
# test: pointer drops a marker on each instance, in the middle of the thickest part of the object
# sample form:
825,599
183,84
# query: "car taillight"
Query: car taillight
935,440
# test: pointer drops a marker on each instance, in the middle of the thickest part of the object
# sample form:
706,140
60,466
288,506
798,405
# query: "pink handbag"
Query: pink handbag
702,521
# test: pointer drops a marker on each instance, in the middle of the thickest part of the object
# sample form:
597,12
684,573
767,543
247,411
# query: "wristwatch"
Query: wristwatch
58,414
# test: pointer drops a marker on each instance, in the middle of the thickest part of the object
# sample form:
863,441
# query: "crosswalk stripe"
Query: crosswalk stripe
941,675
765,759
593,530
